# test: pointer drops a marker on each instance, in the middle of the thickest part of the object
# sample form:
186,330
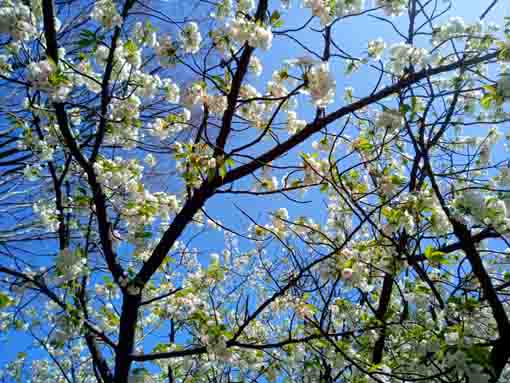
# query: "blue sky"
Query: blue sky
353,35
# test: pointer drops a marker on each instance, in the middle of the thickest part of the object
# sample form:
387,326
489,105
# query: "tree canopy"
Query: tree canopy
254,191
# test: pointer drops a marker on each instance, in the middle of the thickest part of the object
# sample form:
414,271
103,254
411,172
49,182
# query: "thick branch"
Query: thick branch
98,195
318,124
384,303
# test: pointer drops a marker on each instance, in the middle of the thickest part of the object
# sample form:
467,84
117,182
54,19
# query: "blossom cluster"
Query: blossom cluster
105,12
457,28
402,55
476,207
172,124
321,84
376,48
48,77
48,214
191,38
327,10
69,265
166,48
251,32
17,20
123,180
123,115
392,7
390,121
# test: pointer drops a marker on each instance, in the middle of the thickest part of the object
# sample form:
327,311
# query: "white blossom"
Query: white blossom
191,38
105,12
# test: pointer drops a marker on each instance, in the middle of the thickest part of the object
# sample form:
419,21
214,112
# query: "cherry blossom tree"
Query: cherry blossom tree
180,205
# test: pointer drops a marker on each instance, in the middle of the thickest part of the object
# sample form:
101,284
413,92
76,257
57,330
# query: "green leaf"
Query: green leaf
131,47
140,371
143,235
87,38
480,355
435,256
161,347
363,144
487,100
83,43
352,66
222,84
398,180
278,24
5,301
491,89
222,171
230,162
404,108
56,78
275,17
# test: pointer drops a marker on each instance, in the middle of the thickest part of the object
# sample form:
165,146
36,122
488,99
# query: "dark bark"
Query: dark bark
127,333
384,302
